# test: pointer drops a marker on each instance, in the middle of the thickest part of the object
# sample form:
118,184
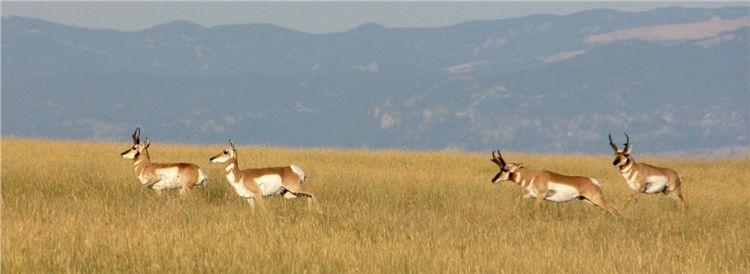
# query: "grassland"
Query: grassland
77,207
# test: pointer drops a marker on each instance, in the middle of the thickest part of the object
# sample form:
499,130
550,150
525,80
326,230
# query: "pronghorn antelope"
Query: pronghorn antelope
643,177
160,176
255,183
546,185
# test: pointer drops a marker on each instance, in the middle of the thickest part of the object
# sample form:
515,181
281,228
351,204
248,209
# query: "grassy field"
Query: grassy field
77,207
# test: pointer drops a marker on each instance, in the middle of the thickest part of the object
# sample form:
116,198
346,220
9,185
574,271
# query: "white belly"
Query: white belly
169,179
655,184
269,184
561,193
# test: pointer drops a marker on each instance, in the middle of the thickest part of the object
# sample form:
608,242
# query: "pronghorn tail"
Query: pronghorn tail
202,178
300,173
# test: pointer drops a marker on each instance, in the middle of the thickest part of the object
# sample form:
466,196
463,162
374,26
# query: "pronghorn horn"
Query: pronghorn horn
628,147
495,160
612,144
627,139
137,136
501,158
498,159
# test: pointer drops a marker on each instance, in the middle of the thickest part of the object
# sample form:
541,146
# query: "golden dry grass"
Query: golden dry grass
77,207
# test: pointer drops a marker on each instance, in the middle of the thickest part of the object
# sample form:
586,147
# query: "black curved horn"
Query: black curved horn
137,136
612,144
627,139
500,157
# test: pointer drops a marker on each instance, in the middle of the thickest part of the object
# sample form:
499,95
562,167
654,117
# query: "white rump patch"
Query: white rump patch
299,172
561,192
202,178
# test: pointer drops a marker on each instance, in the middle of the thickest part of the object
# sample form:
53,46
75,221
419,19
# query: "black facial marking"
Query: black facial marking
496,176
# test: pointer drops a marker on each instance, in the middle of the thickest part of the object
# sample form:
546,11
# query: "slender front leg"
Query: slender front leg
151,182
539,197
633,197
251,202
261,202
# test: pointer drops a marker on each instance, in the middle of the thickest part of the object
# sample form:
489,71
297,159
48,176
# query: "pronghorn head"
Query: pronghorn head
506,169
229,153
137,148
622,157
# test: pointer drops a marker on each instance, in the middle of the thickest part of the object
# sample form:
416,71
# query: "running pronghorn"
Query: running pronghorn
255,183
546,185
162,176
643,177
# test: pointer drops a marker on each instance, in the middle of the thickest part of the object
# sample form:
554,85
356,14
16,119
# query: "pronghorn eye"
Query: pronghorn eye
226,152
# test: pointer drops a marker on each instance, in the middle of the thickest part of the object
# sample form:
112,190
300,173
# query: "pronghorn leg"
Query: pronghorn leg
599,201
185,190
682,198
251,202
539,197
312,202
633,197
151,182
676,193
261,202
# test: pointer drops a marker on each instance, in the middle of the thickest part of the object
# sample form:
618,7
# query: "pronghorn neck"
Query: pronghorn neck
520,175
232,168
628,166
143,157
141,161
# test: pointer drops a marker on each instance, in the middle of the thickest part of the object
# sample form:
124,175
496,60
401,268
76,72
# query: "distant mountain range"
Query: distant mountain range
677,80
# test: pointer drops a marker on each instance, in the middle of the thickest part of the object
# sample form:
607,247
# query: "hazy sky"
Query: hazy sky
315,17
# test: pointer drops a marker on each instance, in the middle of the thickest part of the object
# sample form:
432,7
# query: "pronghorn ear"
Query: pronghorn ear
231,144
146,143
628,149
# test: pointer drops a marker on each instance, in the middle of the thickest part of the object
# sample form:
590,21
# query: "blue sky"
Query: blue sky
314,17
